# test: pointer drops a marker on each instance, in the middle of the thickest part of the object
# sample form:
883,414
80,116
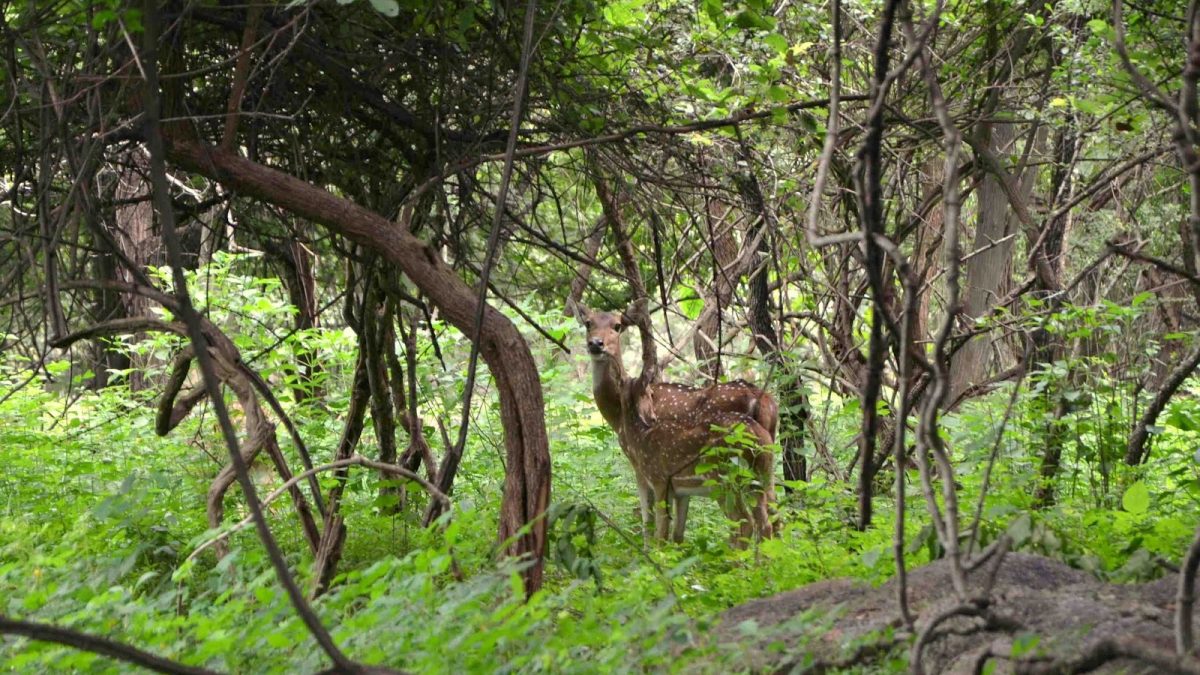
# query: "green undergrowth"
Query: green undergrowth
99,517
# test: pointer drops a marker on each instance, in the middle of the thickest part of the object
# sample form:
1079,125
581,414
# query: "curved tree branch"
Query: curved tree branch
97,645
527,485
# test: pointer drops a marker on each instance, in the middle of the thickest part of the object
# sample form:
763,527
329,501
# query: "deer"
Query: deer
664,429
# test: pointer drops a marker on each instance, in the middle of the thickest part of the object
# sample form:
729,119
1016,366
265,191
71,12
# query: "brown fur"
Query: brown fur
664,429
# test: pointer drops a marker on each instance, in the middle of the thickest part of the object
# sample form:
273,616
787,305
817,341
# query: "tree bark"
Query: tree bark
300,280
724,250
333,533
790,388
987,271
379,338
133,232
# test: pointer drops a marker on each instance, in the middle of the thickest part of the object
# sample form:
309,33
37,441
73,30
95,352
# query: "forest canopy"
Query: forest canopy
401,336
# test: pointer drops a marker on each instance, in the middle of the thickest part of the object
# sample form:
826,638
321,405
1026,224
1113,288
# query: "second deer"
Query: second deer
665,428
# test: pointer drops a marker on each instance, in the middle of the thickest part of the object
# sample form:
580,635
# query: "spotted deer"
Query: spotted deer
664,428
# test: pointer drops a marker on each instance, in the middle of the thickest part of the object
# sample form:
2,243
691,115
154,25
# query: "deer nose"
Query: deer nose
595,345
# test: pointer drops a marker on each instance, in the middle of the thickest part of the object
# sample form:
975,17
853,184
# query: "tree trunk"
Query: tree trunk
1048,347
987,271
108,306
724,250
379,338
333,534
134,233
299,277
789,387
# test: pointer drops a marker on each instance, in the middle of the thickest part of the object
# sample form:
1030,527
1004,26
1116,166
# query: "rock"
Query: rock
1042,615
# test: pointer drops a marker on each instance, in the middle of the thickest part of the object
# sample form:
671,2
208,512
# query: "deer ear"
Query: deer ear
576,310
635,311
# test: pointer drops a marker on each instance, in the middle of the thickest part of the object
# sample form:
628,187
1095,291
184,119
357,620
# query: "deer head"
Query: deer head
609,384
603,331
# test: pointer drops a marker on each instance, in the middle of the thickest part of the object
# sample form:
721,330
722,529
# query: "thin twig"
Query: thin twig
748,114
454,454
831,126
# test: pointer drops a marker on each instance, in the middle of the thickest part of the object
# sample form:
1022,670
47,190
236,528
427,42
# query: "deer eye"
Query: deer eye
587,324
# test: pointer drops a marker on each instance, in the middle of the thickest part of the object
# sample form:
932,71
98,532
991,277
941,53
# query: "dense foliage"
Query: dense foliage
957,241
101,516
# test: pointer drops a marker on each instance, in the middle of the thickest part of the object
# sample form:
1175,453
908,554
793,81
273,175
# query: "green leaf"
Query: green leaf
1140,298
748,19
133,20
715,11
388,8
1024,645
777,42
692,308
778,94
1137,498
277,639
102,17
1088,106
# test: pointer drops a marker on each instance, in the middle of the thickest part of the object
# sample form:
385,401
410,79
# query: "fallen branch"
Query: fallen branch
96,645
976,607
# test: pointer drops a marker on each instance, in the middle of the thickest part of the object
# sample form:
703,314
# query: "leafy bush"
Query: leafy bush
99,516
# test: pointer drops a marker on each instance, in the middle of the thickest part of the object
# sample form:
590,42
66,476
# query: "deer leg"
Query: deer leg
759,510
746,522
764,466
646,501
762,514
681,510
662,516
735,510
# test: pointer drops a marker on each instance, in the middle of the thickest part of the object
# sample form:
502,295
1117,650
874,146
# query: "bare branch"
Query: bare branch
831,127
356,460
97,645
166,215
928,435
